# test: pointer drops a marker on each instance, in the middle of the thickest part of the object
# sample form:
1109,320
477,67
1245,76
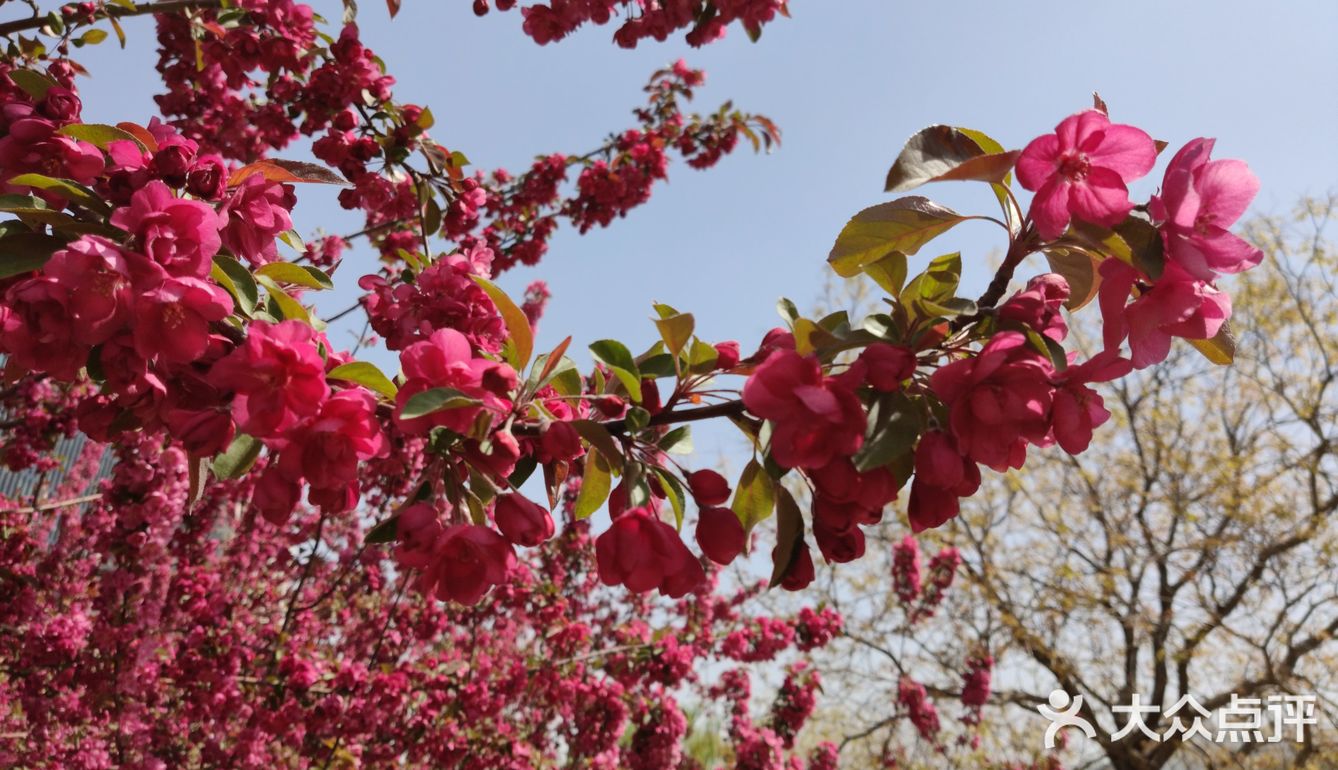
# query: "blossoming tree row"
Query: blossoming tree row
158,265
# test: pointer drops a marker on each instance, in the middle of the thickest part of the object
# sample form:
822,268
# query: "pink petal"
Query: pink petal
1127,151
1180,199
985,406
1077,128
1149,350
1050,208
819,401
1117,280
1038,162
1194,154
1227,187
1101,198
952,380
1185,251
1071,430
1227,253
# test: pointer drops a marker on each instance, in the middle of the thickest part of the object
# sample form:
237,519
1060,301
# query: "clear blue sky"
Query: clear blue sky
847,81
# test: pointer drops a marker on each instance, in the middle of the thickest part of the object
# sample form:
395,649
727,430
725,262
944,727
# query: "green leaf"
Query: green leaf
1221,349
789,535
1047,347
940,153
120,33
91,37
902,225
367,375
100,135
233,276
545,364
295,243
23,203
33,83
562,374
599,437
385,531
288,307
24,252
435,400
524,468
898,427
674,491
517,325
677,441
675,328
66,188
930,293
566,378
287,272
1145,245
595,485
637,419
618,358
754,496
888,272
1007,202
786,309
1134,241
702,357
238,458
658,365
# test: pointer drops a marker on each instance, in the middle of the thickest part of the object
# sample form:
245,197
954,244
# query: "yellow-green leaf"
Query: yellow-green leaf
1221,349
595,485
289,307
902,225
754,496
367,375
238,458
888,272
100,135
675,328
287,272
517,325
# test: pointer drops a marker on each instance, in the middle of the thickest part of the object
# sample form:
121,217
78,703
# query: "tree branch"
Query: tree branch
115,11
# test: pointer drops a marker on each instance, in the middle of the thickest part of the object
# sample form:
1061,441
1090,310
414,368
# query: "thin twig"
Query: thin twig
116,11
53,506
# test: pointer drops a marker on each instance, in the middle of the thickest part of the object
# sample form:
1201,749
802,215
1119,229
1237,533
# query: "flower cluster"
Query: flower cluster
150,288
705,21
515,216
146,635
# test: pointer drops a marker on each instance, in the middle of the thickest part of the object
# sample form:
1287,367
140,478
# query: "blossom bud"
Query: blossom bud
930,506
559,442
650,396
346,120
207,178
726,355
61,104
887,366
523,522
173,163
800,572
838,546
720,534
611,407
708,487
